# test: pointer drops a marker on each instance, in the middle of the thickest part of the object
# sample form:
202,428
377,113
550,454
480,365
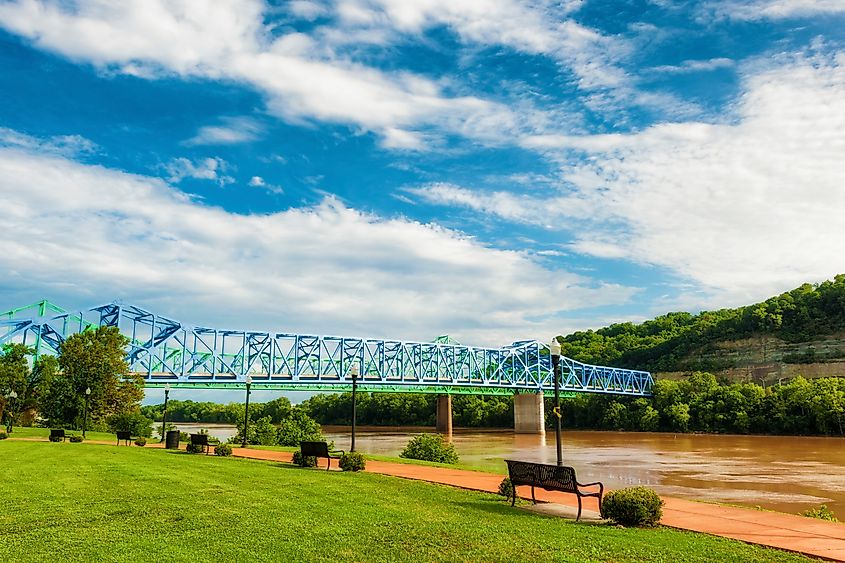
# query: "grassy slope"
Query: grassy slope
85,502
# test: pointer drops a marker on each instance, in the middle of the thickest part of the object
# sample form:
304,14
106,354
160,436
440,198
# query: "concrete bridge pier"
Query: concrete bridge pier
444,414
529,413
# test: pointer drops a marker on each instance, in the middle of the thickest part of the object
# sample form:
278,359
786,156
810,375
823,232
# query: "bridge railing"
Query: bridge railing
165,350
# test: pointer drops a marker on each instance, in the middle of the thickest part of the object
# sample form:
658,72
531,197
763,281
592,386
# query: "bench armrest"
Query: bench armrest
590,484
600,485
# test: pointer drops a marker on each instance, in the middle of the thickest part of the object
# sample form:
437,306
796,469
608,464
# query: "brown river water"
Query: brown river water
783,473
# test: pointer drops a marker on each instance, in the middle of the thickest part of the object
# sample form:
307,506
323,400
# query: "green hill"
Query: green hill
781,336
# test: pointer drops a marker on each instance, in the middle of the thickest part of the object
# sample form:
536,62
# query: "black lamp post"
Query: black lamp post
353,371
246,410
10,416
554,349
164,415
85,418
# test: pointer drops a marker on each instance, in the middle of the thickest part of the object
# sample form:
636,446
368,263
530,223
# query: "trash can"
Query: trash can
171,440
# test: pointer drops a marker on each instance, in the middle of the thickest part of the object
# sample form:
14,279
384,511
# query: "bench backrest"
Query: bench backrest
57,432
199,439
124,435
314,449
558,477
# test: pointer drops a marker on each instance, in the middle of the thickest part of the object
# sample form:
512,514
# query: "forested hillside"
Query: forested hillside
687,342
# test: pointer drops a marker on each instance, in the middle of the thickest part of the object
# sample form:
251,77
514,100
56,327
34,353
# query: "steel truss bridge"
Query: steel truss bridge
166,351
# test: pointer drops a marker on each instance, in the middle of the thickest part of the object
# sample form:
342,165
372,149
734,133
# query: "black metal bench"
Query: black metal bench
204,441
319,449
551,478
56,433
124,435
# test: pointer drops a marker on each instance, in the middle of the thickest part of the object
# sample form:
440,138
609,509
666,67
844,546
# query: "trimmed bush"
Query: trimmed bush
506,488
3,435
223,449
141,441
304,461
75,439
430,447
822,513
193,448
634,506
352,461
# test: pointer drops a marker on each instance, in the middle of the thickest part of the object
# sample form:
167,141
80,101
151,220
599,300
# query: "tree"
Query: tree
93,359
28,384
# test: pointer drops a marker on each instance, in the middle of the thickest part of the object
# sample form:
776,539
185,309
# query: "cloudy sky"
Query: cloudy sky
495,170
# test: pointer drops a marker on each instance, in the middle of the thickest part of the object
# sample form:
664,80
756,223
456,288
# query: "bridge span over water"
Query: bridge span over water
166,351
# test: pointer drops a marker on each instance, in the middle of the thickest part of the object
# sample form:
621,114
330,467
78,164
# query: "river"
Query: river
783,473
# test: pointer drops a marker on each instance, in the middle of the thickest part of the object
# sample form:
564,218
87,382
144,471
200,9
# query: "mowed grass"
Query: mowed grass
87,502
35,432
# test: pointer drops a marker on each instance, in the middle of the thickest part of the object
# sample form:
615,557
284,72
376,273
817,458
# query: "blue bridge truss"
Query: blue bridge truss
166,351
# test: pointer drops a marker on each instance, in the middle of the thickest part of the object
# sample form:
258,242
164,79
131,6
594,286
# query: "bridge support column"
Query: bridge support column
444,414
529,413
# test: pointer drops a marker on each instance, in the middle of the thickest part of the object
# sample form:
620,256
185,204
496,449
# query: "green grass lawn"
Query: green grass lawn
86,502
33,432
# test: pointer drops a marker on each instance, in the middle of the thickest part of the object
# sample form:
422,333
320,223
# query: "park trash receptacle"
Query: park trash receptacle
171,441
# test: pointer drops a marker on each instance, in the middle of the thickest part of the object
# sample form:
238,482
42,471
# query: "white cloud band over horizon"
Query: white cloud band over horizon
94,234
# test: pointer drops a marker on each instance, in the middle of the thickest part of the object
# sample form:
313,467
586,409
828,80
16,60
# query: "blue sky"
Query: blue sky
494,170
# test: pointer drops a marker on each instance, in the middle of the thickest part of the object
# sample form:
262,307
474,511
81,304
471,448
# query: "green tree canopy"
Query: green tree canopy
94,360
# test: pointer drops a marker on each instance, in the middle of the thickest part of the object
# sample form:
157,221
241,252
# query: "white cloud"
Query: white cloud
83,234
774,9
67,145
259,182
228,40
212,168
695,66
233,130
745,209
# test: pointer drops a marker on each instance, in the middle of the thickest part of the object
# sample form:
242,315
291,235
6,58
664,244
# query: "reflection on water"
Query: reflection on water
789,474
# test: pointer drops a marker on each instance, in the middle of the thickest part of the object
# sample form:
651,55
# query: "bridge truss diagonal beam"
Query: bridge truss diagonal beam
167,351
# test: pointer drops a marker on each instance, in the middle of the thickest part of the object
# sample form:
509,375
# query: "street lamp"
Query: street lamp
353,371
246,410
11,416
85,418
164,415
554,350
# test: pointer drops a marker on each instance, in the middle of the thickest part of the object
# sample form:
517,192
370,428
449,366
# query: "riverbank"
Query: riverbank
79,501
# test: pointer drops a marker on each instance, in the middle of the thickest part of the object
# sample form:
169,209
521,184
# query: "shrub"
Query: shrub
506,488
141,441
298,427
352,461
223,449
430,447
193,448
3,435
822,513
135,423
635,506
304,461
75,439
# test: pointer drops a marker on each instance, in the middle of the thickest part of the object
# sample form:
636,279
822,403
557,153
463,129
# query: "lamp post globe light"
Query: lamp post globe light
85,417
10,416
164,415
353,371
246,410
554,350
